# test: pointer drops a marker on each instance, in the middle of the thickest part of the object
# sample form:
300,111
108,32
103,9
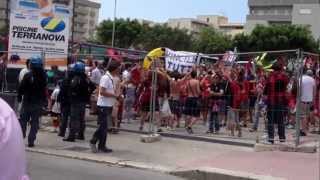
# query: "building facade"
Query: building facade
299,12
3,13
194,25
189,24
85,19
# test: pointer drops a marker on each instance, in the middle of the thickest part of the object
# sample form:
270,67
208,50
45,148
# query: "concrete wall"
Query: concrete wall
213,20
280,2
307,14
86,20
250,25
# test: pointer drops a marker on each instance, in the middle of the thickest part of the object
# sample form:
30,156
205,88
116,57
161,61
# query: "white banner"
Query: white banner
38,26
180,61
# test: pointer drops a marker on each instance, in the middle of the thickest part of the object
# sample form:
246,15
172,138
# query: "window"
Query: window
305,11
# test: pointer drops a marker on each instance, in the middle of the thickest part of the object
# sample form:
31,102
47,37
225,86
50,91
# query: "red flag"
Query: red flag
112,53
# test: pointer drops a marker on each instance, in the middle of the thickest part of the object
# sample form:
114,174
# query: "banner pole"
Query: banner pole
298,105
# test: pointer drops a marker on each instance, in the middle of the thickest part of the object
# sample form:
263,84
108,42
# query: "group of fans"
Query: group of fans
226,96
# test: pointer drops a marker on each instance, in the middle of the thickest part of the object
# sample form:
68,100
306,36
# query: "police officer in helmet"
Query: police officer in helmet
32,95
79,97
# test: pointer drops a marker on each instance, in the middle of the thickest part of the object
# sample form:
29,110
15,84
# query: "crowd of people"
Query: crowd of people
221,96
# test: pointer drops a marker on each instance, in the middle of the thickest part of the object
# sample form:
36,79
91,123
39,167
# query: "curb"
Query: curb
111,161
192,138
202,173
207,173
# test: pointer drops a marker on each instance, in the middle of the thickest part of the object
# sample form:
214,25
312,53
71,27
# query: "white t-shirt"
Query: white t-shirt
23,72
107,81
308,84
56,105
96,76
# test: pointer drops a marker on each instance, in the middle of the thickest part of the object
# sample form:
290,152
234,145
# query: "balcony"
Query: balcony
79,29
280,2
82,11
276,18
81,20
3,4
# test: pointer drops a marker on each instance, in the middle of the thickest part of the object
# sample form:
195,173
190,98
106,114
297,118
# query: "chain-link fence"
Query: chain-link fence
232,102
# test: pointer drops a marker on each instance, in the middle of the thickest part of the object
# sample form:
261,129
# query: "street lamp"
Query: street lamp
114,22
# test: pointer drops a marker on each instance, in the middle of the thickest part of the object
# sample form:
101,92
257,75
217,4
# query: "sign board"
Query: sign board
38,26
180,61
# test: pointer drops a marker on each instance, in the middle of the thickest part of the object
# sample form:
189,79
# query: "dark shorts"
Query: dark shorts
191,107
175,106
253,100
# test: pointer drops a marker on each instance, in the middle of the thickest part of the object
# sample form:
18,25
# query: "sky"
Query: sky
162,10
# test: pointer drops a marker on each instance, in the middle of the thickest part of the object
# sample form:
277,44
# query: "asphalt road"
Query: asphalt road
43,167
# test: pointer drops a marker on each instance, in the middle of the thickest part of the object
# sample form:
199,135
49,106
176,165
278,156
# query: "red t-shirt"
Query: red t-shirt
244,90
235,89
136,76
205,84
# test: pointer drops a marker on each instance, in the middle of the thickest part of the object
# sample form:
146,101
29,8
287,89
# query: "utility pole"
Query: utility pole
114,23
8,16
73,24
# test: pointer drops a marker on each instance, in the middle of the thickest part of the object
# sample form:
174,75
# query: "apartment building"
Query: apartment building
194,25
190,24
3,13
300,12
86,19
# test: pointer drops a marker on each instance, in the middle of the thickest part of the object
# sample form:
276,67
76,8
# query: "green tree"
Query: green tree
164,36
277,37
211,41
126,32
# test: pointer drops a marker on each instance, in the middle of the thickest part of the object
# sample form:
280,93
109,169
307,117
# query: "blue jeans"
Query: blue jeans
214,121
30,113
100,135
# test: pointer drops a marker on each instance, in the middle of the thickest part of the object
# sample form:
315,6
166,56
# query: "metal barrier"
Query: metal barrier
253,111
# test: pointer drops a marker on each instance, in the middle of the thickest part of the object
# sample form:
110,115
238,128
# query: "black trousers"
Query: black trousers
65,114
77,119
30,113
276,115
100,135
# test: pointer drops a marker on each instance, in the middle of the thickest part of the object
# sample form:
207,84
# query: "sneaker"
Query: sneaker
209,132
302,133
189,130
93,148
105,150
31,145
69,139
267,142
159,130
61,135
252,130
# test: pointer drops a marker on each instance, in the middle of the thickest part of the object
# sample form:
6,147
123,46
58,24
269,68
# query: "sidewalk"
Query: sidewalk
248,139
172,154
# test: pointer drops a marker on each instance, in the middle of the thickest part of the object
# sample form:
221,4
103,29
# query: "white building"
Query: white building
194,25
86,19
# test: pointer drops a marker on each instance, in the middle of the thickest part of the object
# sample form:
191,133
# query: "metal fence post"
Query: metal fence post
298,105
43,57
152,128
